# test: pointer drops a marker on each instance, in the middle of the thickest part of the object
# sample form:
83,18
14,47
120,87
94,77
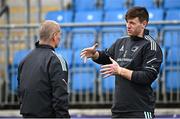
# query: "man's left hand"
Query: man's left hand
110,69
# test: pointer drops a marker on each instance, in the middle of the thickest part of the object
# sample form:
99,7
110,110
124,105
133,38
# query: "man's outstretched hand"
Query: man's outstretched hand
88,52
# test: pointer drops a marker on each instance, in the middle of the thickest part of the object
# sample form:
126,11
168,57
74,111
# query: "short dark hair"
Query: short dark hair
140,12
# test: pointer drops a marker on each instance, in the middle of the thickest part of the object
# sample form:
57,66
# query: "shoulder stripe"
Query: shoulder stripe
153,43
61,59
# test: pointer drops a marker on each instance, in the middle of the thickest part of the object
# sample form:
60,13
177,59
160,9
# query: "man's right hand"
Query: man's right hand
89,53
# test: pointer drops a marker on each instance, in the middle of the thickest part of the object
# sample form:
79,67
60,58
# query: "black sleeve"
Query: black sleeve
104,55
152,59
103,58
58,75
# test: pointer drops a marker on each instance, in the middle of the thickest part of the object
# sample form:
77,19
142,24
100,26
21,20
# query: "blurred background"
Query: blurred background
85,22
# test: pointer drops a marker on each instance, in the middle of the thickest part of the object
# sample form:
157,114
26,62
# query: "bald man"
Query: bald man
43,77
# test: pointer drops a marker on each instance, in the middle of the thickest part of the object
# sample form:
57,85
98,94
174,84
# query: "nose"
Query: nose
128,25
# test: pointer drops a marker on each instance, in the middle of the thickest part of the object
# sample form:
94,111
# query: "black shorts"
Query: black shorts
146,115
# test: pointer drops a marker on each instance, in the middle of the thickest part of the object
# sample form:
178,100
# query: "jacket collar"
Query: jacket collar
43,46
146,32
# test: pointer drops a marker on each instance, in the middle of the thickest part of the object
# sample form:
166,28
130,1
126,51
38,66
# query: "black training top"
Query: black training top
144,57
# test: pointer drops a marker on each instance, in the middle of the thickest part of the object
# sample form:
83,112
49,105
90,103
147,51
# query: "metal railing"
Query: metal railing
19,39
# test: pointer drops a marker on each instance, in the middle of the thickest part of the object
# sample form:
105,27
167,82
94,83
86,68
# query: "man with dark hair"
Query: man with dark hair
43,77
135,61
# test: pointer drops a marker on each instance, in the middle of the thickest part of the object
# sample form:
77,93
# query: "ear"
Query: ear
54,36
144,23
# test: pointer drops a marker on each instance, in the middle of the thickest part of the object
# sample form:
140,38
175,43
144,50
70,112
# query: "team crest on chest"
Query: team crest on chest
134,49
